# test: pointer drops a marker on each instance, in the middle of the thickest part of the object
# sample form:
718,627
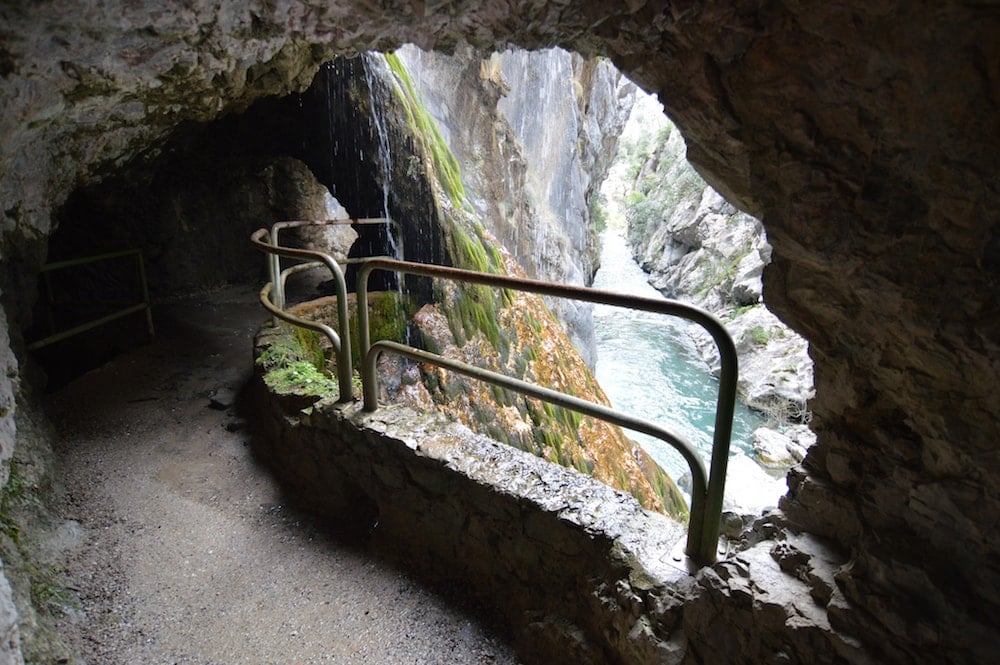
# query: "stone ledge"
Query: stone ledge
580,572
565,558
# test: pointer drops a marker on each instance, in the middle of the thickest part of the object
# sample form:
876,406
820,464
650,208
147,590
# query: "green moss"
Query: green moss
29,574
521,362
47,589
291,344
475,310
300,378
499,434
759,334
293,362
571,419
445,165
12,496
740,311
502,396
671,497
388,312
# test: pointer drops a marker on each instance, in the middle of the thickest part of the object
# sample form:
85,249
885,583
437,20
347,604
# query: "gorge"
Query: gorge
862,135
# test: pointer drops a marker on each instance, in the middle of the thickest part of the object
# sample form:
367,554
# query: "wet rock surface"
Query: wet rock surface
862,134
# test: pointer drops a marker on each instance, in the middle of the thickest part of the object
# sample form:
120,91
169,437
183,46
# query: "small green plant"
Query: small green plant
20,503
644,213
47,590
759,334
599,213
300,377
12,495
739,311
292,344
294,362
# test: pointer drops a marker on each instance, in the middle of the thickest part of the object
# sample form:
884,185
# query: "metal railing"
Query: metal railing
143,305
706,495
274,265
707,487
341,344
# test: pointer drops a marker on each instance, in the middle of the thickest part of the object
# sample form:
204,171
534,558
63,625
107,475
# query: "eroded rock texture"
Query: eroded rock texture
698,248
535,133
863,134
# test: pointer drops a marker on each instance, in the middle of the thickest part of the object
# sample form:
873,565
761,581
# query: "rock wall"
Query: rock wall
698,248
863,135
535,133
10,638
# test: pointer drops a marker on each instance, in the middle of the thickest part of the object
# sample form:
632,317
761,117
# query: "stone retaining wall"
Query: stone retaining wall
580,572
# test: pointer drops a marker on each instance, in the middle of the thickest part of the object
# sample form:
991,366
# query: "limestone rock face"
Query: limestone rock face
863,134
8,390
10,640
535,133
698,248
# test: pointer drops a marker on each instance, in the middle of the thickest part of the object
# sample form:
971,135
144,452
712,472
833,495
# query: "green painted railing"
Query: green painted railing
707,487
706,496
142,305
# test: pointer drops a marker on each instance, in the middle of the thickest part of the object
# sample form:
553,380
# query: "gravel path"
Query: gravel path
185,550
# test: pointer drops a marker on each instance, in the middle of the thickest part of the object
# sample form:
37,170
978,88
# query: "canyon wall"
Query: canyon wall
863,135
510,332
698,248
535,133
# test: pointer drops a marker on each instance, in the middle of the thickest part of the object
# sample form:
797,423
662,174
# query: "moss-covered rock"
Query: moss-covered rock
511,333
299,365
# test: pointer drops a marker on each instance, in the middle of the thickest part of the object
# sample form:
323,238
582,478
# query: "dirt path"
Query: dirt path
187,551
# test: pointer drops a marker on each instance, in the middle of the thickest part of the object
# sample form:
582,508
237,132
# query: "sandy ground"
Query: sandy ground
184,550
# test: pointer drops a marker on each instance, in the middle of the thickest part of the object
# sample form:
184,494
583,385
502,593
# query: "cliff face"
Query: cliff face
535,133
863,135
698,248
512,333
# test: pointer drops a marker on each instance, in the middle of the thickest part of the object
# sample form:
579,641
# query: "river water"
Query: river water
649,367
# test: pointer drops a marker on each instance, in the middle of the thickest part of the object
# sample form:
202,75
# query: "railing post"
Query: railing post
706,496
342,342
274,267
144,287
345,372
48,268
724,410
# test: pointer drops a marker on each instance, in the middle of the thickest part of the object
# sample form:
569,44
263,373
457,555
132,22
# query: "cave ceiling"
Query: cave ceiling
863,134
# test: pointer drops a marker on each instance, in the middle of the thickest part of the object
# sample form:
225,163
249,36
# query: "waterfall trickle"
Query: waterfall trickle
381,138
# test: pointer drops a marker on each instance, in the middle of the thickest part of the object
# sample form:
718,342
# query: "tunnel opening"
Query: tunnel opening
798,127
190,203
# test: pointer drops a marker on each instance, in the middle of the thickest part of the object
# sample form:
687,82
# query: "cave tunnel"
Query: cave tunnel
191,202
864,137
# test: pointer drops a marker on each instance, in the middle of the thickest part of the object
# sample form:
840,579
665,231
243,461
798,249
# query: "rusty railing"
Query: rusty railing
707,486
142,306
